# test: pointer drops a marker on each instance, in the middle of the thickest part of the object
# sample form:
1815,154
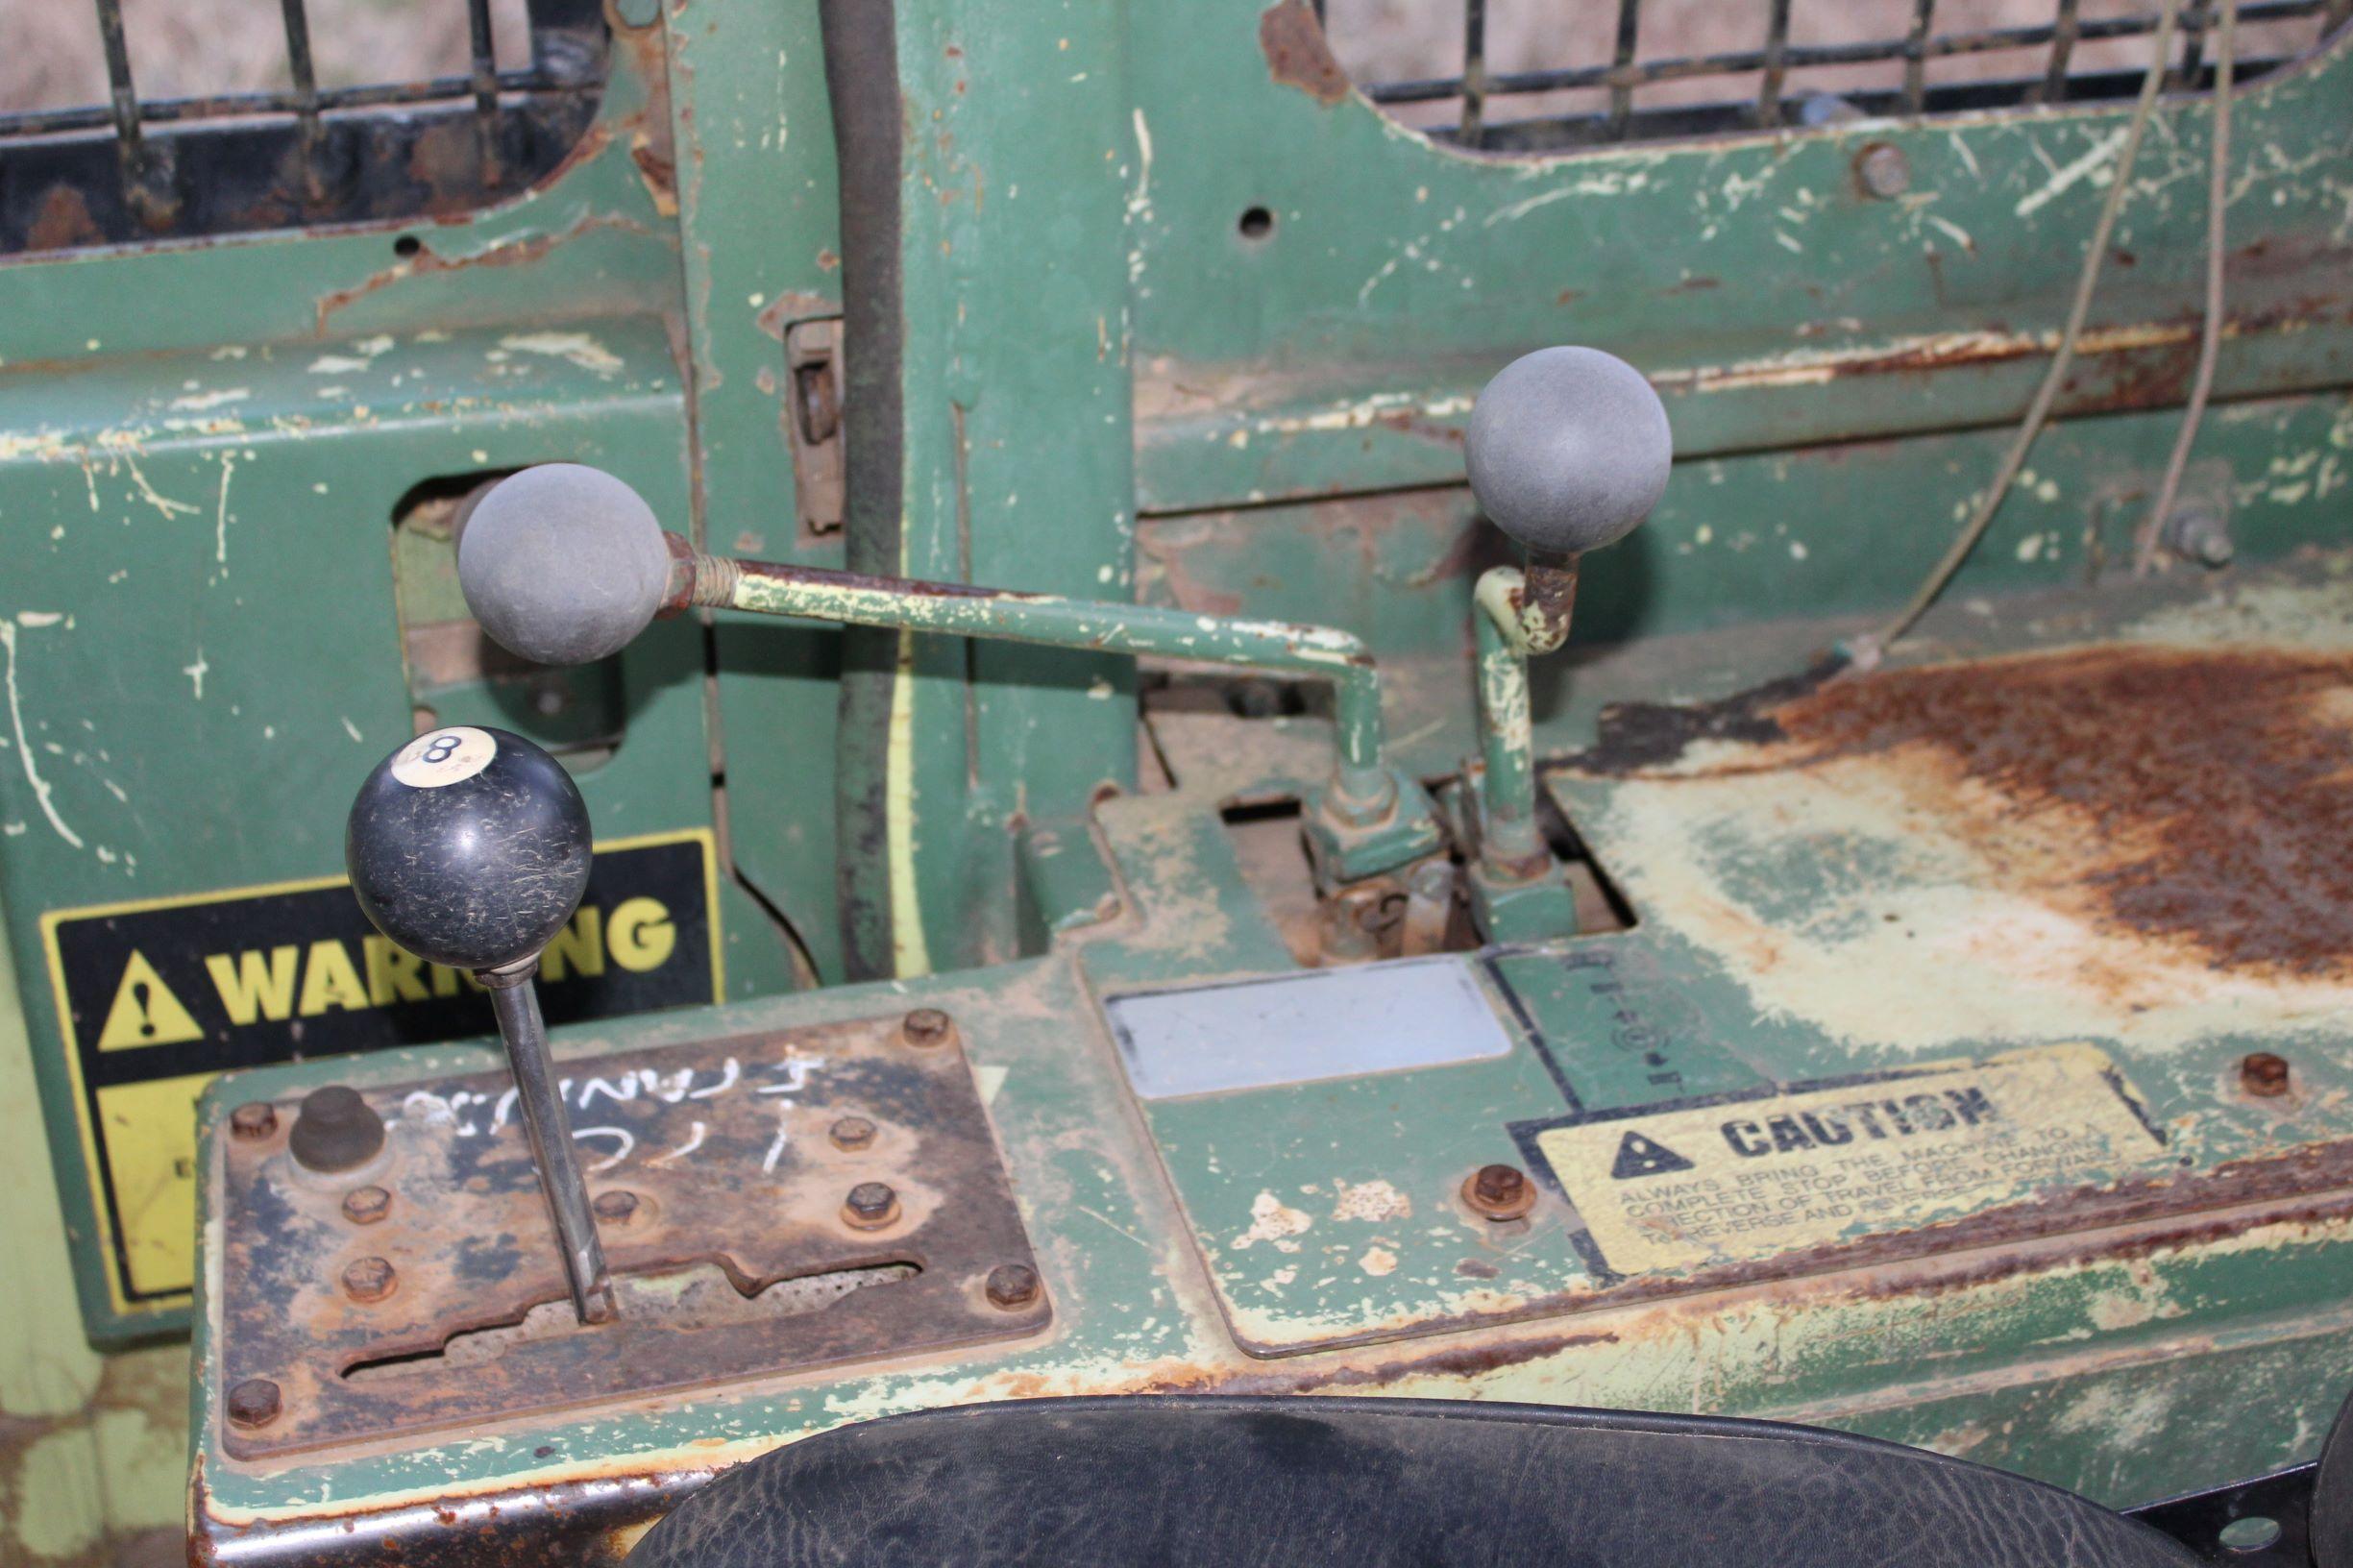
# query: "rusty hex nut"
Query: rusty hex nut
869,1207
369,1279
253,1403
1499,1192
927,1026
252,1121
2263,1074
851,1132
1012,1284
366,1205
615,1207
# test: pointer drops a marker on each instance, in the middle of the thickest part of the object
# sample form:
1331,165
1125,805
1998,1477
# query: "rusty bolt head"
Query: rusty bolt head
1883,170
928,1026
870,1206
253,1120
1500,1193
615,1207
369,1279
366,1205
852,1132
2263,1074
253,1403
1013,1285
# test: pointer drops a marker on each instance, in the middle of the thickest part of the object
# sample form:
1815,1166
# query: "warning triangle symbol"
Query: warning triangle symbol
1640,1156
145,1012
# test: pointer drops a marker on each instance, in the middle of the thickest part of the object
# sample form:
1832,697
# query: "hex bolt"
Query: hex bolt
615,1207
1012,1285
366,1205
253,1403
2200,536
369,1279
2263,1075
1499,1192
871,1206
852,1132
928,1026
252,1121
1883,170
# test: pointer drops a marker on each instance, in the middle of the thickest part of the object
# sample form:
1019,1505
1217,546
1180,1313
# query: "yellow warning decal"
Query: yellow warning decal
153,999
1679,1189
145,1012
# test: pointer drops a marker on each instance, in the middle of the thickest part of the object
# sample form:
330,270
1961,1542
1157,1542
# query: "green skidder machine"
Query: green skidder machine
952,781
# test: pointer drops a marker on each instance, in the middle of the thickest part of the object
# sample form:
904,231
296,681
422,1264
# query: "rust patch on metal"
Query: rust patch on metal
2187,795
1296,53
64,221
792,306
477,1327
2194,795
427,261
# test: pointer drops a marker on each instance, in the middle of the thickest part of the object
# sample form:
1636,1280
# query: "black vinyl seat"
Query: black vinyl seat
1375,1482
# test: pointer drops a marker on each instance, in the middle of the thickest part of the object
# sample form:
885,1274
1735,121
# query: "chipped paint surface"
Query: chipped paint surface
2042,877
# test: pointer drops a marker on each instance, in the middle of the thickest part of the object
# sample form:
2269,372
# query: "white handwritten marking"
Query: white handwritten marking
733,1071
796,1071
626,1091
629,1142
428,1108
784,1136
684,1150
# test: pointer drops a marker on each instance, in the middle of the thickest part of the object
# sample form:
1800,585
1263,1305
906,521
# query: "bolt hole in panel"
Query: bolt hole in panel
721,1191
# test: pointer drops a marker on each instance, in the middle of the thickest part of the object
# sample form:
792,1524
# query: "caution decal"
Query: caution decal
155,999
1680,1188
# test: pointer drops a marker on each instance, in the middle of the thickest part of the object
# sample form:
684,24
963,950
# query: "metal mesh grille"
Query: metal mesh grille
131,169
1588,72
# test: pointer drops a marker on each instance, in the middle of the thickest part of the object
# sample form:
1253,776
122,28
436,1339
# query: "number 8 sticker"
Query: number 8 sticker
444,756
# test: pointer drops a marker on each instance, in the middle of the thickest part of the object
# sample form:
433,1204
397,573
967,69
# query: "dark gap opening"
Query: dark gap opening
680,1297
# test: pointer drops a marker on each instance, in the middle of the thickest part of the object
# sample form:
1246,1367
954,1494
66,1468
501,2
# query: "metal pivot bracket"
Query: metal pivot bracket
768,1204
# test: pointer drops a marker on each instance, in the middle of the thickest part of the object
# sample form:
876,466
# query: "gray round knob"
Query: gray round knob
1568,450
562,563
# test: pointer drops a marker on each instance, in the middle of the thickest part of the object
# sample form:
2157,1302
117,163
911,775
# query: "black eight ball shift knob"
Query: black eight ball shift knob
469,847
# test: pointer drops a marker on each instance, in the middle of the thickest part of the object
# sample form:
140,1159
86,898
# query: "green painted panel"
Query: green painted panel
1773,301
202,651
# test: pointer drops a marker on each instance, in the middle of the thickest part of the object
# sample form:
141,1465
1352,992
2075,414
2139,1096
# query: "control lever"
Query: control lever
564,563
1568,450
470,848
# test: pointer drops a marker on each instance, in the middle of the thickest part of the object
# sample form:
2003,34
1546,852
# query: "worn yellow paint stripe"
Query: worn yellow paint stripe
910,953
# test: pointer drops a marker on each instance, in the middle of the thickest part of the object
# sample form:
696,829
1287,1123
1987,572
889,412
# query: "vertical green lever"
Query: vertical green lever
1568,452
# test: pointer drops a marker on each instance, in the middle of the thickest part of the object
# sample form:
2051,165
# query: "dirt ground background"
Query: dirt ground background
49,49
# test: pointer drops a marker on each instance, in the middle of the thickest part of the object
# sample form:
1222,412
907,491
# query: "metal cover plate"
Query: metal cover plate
736,1262
1304,1028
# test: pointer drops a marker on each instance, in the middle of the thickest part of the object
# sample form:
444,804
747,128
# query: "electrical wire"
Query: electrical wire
2210,334
2038,410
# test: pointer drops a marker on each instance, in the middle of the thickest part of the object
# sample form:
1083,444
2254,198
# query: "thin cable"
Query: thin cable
2048,393
2210,334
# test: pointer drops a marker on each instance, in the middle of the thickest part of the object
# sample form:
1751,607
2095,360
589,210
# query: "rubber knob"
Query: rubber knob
469,848
1568,450
336,1130
562,564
